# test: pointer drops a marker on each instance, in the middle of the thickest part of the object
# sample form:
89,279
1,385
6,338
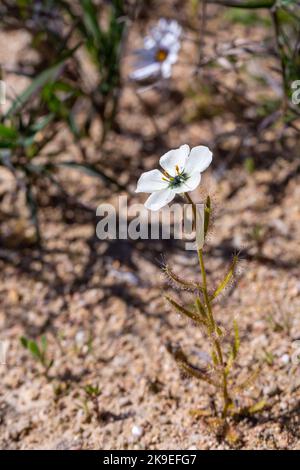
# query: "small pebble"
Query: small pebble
285,359
80,338
271,390
137,431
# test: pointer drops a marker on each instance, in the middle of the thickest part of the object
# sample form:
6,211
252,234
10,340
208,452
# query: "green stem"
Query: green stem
212,324
205,293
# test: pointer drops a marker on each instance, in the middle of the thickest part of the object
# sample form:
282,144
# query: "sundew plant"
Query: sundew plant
181,173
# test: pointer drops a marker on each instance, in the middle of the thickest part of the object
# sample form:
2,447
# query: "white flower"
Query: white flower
160,52
182,173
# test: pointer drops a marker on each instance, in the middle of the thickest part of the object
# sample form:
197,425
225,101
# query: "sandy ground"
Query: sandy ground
101,306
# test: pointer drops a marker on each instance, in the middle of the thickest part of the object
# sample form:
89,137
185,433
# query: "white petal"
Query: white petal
166,69
144,55
159,199
199,159
149,42
175,28
175,157
169,40
162,23
156,34
146,72
151,181
172,58
190,184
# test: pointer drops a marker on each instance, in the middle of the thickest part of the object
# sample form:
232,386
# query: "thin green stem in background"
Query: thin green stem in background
244,3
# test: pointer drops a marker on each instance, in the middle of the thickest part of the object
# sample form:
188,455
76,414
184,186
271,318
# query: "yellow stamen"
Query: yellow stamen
161,55
177,169
165,179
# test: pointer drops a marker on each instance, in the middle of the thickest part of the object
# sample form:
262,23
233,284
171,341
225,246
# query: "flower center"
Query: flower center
161,55
177,180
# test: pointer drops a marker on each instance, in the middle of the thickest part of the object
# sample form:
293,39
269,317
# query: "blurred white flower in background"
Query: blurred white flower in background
160,52
182,170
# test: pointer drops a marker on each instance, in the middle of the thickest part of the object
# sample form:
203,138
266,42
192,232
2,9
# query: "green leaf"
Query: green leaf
200,308
93,391
34,349
193,316
249,165
259,406
90,20
183,363
245,3
38,83
179,280
236,344
90,170
8,133
234,349
41,123
248,381
24,342
44,344
197,373
226,279
33,208
51,362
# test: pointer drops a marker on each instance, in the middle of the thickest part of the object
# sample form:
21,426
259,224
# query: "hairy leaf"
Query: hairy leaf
193,316
226,279
179,280
236,344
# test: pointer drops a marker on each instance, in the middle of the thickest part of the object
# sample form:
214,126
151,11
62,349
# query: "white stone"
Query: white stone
285,359
137,431
80,338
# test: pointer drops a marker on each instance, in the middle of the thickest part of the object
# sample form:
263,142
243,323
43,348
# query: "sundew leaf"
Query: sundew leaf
182,361
257,407
200,308
234,348
184,311
248,381
214,358
236,344
179,280
226,279
197,373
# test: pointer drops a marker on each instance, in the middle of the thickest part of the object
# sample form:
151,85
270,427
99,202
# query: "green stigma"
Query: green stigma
177,180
